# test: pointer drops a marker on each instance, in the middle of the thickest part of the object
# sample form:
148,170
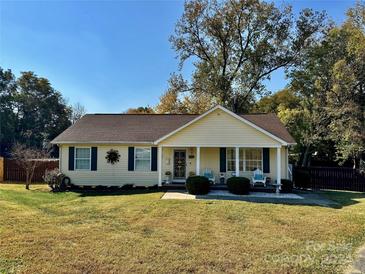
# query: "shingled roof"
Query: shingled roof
147,128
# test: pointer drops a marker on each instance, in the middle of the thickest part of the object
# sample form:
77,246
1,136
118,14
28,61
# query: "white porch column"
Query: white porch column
159,165
278,169
237,161
197,162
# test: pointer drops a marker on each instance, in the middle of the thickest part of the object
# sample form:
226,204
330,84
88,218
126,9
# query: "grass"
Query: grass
43,232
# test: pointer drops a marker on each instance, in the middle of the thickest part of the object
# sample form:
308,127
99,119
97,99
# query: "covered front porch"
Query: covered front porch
177,163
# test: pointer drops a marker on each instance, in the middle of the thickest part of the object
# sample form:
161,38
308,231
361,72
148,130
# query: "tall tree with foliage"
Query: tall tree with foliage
173,101
331,83
7,105
236,45
32,111
41,110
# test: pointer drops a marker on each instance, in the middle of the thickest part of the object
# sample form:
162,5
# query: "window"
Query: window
249,159
142,159
231,159
242,159
82,158
253,159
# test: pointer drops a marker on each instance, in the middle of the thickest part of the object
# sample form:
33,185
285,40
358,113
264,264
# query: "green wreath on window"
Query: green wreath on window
112,156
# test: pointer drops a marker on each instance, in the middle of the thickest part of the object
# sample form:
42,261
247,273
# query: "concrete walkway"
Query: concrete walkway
216,194
258,197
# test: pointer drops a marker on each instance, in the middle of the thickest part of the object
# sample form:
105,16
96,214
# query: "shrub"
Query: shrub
127,186
56,180
197,185
286,186
302,178
238,185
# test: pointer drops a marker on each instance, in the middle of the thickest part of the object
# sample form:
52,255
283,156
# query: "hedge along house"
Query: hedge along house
152,145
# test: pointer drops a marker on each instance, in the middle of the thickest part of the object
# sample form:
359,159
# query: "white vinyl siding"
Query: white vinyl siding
107,174
142,159
82,158
219,129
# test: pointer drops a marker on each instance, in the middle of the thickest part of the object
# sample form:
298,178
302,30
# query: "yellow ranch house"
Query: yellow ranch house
158,149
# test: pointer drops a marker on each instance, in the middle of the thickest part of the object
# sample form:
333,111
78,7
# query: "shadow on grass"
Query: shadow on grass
328,199
331,198
90,192
343,198
318,202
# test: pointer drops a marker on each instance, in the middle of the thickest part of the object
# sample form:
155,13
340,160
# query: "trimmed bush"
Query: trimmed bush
56,180
197,185
301,178
286,186
238,185
127,187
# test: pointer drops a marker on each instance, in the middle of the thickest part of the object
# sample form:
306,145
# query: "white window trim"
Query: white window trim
244,158
234,159
262,160
83,169
135,156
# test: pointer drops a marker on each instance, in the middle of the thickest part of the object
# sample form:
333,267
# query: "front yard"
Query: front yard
42,232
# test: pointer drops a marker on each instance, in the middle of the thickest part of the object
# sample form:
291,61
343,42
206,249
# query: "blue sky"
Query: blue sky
107,55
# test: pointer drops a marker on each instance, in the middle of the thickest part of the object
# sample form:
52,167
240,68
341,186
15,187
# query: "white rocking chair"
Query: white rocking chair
258,177
209,174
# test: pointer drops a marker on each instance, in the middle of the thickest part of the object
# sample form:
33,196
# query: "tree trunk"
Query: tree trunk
306,156
27,183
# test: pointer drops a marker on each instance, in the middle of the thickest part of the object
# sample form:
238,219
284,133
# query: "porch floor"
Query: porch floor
181,186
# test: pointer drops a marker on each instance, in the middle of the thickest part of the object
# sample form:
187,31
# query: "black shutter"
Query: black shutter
71,158
266,159
222,153
94,158
130,158
154,158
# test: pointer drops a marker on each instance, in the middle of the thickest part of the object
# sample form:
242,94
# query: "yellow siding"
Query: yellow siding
284,163
107,174
209,158
219,129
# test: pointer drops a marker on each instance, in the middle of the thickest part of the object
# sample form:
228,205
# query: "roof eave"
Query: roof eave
100,142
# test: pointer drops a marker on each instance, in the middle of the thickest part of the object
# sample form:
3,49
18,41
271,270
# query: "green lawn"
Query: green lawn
43,232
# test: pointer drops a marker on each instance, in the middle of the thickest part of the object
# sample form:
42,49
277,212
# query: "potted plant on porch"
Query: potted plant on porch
168,177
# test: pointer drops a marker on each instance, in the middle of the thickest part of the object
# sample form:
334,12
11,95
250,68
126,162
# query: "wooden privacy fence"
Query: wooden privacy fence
338,178
14,172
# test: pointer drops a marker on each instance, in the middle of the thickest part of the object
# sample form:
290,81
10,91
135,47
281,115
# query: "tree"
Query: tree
236,45
140,110
283,99
28,158
41,111
7,115
78,111
192,102
32,112
331,83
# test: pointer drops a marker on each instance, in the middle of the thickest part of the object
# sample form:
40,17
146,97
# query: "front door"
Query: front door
179,164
